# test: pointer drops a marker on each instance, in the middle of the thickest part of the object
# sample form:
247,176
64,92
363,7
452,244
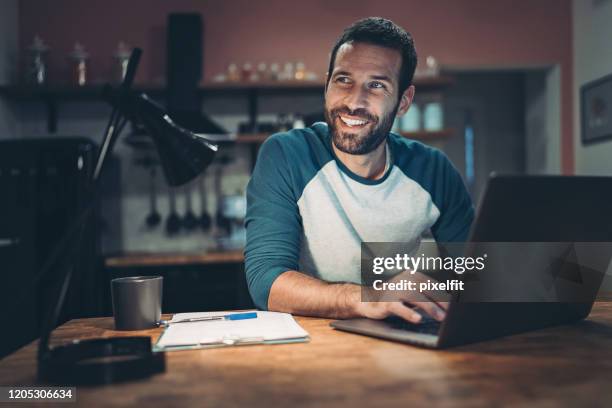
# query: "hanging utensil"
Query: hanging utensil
190,221
153,218
173,222
205,219
222,222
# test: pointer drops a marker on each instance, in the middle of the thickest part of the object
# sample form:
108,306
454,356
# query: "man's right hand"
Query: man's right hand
404,303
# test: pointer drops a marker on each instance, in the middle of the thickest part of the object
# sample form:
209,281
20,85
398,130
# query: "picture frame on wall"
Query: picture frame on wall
596,110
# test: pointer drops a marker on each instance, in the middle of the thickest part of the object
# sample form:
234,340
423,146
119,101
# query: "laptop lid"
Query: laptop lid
567,217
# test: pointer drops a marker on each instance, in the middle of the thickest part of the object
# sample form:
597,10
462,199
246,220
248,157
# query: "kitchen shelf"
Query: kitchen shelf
138,259
422,135
421,83
252,138
425,136
94,92
52,95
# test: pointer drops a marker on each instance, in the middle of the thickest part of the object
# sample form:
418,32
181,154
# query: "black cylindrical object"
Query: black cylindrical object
137,302
184,61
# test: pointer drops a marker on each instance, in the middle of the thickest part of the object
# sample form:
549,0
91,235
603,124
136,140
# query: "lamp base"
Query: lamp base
100,361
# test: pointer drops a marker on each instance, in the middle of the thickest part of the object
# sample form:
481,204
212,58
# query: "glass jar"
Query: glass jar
433,117
411,121
37,69
79,57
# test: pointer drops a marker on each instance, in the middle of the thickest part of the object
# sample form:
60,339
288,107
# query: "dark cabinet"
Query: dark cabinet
43,186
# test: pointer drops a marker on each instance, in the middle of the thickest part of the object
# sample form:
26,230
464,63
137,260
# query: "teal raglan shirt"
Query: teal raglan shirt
307,212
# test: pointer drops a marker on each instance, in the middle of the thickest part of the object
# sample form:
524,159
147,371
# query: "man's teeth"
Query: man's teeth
353,122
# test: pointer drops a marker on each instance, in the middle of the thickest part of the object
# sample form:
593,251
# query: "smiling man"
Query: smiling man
317,193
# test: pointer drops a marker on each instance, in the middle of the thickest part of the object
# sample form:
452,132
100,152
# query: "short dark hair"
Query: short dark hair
384,33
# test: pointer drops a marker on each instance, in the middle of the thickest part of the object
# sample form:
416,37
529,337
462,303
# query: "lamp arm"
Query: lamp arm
113,130
103,151
68,246
115,125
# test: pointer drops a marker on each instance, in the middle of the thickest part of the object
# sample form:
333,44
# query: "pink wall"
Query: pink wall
470,33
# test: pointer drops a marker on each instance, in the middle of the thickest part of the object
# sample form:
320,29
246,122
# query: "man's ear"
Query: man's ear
406,100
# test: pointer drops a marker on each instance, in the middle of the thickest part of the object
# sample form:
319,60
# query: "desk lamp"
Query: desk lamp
183,156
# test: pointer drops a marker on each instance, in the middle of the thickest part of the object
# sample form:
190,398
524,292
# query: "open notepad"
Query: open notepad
268,327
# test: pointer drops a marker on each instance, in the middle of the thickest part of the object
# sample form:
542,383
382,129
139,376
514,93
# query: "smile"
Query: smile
353,122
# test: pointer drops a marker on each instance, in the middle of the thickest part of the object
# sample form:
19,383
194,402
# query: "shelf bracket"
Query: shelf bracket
252,96
51,114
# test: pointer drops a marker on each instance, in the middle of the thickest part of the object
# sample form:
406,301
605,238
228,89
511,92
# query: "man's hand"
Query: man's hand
404,303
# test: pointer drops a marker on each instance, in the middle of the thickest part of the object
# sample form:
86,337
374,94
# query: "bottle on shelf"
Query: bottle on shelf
411,121
79,57
122,57
433,117
37,71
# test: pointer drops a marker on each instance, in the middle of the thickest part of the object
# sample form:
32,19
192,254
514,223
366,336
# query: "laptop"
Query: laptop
571,213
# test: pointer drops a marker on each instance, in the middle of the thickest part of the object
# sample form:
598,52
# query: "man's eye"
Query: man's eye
343,80
377,85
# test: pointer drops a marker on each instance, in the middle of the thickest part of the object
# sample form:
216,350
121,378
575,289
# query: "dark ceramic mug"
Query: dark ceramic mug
137,302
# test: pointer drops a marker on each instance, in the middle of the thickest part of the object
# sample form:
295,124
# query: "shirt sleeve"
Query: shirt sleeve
454,203
273,223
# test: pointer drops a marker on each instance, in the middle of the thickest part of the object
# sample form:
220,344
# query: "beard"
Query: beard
363,141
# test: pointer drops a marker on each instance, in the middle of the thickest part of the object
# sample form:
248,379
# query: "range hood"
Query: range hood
184,67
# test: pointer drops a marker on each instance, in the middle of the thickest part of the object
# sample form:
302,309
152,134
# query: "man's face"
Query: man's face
361,98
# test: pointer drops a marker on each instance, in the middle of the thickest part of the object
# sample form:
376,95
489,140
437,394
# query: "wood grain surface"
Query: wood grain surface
139,259
562,366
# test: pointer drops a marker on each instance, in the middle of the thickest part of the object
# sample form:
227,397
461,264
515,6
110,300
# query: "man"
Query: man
317,193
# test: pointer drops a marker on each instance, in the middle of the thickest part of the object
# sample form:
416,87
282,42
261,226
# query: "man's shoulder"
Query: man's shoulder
294,138
298,146
296,156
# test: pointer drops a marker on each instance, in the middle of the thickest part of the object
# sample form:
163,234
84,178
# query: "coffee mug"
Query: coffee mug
137,302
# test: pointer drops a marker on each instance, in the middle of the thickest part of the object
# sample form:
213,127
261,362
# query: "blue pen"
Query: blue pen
232,316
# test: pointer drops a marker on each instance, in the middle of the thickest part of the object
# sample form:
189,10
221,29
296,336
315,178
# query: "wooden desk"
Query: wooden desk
569,366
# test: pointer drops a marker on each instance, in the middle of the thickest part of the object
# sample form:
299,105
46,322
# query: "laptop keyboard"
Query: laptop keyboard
427,325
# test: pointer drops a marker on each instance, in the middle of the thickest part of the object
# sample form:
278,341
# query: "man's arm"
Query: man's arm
273,223
454,203
297,293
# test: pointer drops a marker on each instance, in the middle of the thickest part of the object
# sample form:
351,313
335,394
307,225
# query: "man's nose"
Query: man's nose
356,99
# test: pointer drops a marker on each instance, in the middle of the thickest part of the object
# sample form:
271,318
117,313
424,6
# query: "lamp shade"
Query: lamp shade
182,153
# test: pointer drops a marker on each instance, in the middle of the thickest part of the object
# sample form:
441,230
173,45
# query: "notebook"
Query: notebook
267,328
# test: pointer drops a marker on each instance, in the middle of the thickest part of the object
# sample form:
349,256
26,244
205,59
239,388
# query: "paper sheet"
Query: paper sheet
268,326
